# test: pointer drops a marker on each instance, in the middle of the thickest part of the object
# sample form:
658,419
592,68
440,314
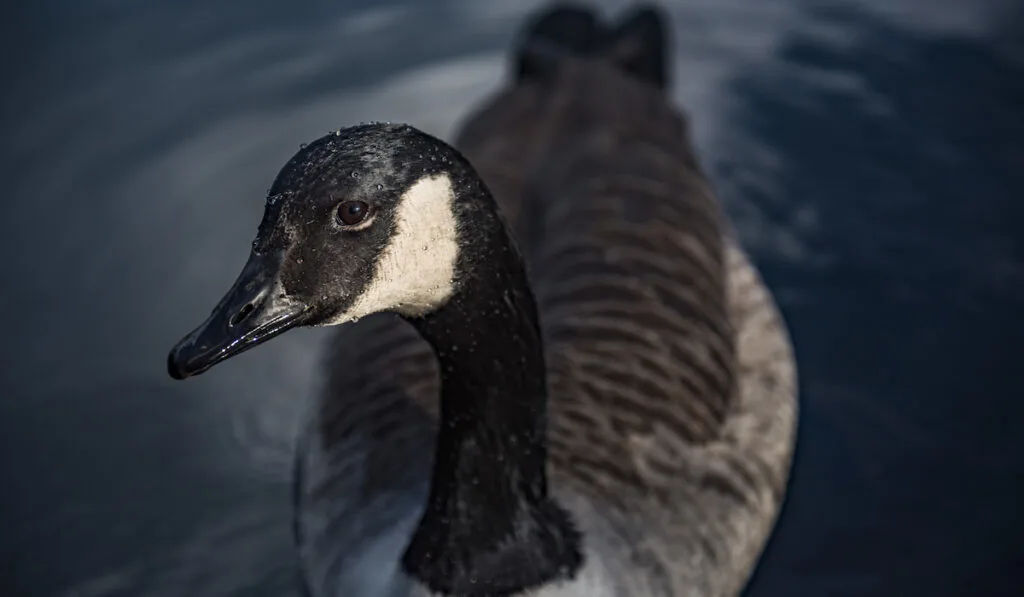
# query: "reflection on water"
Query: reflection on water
870,162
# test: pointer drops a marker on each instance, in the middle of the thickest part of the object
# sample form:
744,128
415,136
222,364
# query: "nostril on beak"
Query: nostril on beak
239,317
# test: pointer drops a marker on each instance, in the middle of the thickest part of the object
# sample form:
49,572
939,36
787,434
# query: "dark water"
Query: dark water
870,152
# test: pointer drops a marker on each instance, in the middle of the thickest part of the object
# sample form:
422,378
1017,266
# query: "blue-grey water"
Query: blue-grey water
871,153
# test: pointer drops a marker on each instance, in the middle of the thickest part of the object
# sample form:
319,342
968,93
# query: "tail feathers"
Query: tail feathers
637,45
550,34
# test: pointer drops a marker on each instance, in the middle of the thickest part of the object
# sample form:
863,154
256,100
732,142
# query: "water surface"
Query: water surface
870,153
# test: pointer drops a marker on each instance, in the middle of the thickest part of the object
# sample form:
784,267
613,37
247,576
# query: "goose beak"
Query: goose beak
255,310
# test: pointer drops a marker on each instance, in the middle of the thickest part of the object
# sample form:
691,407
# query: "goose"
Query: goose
556,372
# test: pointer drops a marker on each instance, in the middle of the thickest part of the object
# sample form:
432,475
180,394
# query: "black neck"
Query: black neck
489,527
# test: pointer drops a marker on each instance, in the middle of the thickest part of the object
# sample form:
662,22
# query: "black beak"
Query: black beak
255,310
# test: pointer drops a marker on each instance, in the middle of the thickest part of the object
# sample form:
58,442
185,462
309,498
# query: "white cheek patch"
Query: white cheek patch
414,272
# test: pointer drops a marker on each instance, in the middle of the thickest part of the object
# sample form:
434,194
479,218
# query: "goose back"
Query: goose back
672,385
671,375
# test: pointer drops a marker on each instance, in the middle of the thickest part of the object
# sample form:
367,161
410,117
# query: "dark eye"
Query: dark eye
351,213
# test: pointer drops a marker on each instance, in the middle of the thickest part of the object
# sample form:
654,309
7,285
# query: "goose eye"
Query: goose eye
351,213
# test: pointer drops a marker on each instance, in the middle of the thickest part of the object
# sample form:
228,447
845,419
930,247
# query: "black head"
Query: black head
360,221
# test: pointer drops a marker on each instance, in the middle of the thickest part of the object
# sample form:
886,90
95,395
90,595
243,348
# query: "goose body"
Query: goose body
605,407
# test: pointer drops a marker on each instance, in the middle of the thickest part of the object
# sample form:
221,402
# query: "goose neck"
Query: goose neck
490,445
489,526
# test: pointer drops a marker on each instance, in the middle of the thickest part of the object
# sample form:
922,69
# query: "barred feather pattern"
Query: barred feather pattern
672,381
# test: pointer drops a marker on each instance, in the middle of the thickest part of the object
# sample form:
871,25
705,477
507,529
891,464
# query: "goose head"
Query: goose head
385,218
362,220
